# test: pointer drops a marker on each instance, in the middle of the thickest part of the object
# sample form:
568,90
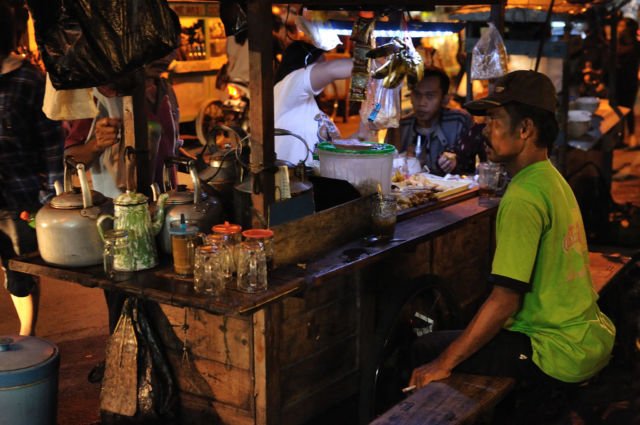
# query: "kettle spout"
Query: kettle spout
158,218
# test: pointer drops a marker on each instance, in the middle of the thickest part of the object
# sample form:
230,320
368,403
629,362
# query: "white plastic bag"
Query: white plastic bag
489,56
59,105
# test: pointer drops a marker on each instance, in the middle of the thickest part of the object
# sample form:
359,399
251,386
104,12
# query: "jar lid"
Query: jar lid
26,359
258,233
227,228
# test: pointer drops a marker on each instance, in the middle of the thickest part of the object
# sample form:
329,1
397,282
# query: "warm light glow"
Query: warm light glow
390,33
233,91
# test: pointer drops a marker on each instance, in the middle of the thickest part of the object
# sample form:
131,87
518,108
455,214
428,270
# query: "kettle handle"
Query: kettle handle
69,161
102,218
191,165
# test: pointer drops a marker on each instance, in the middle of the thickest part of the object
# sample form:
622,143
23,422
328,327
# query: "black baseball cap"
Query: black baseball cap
527,87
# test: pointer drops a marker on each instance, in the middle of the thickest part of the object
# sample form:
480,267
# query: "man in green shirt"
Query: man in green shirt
541,320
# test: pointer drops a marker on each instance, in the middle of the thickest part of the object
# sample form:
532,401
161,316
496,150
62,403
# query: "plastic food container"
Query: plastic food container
587,103
578,123
28,380
365,169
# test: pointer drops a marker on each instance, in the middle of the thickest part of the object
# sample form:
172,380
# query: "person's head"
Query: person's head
297,55
7,29
521,116
430,95
627,26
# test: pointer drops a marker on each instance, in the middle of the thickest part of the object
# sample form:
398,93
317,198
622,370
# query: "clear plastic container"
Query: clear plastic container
365,169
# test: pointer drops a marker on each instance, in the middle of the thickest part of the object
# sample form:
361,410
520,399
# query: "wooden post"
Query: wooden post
497,15
143,168
261,110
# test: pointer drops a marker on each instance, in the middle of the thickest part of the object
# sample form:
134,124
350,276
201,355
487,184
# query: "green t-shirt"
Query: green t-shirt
541,250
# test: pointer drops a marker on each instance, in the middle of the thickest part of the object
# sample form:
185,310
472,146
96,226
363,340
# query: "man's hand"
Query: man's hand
447,162
426,373
108,132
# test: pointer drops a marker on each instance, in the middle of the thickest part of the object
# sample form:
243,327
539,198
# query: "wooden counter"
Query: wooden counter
313,339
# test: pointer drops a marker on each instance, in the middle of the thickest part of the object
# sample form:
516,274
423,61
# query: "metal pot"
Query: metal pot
204,211
66,226
242,203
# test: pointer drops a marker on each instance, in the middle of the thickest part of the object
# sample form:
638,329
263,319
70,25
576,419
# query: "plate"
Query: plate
423,187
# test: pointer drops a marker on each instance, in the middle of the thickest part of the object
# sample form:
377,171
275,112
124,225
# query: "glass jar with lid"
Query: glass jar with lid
265,237
231,235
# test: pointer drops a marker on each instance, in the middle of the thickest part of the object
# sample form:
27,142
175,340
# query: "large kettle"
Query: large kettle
66,226
202,210
132,214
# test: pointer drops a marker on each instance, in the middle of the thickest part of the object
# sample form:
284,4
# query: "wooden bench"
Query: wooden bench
461,398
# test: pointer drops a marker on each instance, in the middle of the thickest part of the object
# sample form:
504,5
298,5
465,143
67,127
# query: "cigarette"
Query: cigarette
409,388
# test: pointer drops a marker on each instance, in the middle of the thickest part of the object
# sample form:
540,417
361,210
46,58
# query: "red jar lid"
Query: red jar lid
227,228
258,234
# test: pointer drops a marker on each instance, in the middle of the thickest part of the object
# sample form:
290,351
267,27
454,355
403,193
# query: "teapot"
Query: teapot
66,226
204,211
132,214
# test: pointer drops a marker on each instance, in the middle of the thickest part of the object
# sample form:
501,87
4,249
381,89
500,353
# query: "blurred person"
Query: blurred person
98,144
303,75
527,329
440,138
30,162
627,59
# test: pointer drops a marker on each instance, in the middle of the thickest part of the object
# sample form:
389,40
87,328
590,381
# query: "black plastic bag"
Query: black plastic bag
88,43
138,386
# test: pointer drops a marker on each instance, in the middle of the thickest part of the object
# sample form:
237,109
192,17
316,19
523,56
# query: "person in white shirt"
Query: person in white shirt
302,75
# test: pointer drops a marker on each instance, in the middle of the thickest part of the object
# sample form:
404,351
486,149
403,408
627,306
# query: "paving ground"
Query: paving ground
75,319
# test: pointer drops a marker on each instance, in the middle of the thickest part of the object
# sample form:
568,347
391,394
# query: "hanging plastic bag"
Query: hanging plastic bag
138,386
489,56
66,105
381,108
89,43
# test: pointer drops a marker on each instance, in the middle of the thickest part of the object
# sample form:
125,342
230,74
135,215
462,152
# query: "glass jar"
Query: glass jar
185,237
231,234
252,266
211,274
117,255
265,236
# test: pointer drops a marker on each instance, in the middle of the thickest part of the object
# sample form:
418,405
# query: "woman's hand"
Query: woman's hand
108,132
429,372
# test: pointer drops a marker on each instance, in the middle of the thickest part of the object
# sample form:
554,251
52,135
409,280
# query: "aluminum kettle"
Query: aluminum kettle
201,209
66,226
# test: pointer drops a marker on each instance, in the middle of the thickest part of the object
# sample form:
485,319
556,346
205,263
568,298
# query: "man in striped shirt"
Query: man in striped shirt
434,133
30,162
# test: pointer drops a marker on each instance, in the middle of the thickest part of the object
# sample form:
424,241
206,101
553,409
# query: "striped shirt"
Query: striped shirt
31,145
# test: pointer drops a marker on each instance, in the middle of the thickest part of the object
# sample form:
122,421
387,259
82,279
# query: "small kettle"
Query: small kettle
132,214
195,206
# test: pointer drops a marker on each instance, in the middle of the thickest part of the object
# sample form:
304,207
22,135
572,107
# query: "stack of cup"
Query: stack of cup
254,259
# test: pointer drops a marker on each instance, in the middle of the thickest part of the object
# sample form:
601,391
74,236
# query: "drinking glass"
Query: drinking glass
490,181
117,255
383,216
211,273
264,236
252,267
